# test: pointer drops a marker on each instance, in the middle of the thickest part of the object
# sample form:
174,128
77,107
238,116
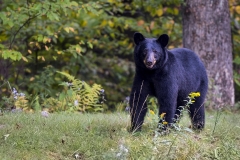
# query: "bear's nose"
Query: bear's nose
149,63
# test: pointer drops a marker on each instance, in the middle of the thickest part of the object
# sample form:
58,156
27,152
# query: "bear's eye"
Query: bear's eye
145,52
154,51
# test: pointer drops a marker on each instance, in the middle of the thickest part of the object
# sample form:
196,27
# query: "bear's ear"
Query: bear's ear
163,40
138,37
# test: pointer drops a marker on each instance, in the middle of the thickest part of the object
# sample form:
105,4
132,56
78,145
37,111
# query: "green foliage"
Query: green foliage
91,40
79,96
44,83
11,54
234,7
22,103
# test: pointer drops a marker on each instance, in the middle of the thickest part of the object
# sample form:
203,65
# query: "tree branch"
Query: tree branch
14,36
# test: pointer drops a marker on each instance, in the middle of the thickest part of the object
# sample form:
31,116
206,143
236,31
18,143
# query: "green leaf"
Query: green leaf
90,45
73,3
11,54
54,57
40,38
67,29
53,16
62,96
237,60
70,92
3,17
37,106
74,54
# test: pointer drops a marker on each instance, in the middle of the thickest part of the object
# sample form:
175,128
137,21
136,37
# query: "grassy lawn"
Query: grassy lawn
105,136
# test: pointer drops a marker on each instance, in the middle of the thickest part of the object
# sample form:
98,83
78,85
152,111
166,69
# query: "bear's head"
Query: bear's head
150,53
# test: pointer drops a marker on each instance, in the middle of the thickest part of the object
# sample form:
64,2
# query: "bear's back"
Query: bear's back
189,68
188,59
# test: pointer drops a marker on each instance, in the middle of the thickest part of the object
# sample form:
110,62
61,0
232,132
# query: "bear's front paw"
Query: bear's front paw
198,126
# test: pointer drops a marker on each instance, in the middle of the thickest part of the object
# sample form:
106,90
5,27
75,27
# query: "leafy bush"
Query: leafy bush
91,40
77,96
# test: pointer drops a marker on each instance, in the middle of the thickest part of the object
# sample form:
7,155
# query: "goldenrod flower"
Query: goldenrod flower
165,122
194,94
162,115
151,112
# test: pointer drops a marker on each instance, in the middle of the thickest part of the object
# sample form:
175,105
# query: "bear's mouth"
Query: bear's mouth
149,64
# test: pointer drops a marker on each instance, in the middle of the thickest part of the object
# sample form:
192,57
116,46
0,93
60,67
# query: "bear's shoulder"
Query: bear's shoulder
181,51
184,53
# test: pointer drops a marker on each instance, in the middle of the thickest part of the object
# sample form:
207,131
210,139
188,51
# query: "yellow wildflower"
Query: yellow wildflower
165,122
162,115
151,112
194,94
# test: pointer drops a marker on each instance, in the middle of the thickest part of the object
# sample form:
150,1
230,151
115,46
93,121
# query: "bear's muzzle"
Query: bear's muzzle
149,60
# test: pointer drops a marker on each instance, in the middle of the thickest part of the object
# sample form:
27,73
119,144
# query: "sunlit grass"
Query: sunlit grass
105,136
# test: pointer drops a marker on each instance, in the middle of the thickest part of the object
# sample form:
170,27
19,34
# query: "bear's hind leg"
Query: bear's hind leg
197,114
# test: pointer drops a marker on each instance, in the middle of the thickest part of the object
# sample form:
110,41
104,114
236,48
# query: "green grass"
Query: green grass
105,136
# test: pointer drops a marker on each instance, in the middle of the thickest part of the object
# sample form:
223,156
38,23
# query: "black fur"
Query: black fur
169,75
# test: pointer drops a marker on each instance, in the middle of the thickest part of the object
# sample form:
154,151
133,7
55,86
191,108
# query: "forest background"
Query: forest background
90,40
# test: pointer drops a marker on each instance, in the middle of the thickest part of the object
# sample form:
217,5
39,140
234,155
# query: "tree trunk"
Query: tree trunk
207,31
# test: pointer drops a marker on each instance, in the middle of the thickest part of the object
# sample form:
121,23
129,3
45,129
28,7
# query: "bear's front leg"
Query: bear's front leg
167,100
167,118
138,106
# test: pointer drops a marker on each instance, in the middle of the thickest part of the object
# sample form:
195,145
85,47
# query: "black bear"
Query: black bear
170,76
